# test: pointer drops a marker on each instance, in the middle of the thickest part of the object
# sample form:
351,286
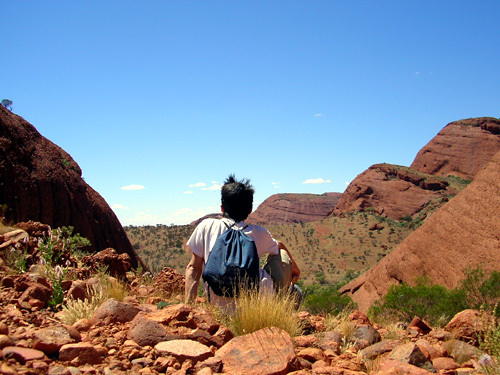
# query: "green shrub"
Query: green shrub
438,304
434,303
320,299
56,276
57,241
482,289
15,258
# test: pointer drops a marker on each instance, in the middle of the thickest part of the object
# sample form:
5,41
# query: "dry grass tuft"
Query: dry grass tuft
256,310
113,288
75,309
107,288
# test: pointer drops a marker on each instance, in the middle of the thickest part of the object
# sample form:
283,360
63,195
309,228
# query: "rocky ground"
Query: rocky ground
139,338
150,332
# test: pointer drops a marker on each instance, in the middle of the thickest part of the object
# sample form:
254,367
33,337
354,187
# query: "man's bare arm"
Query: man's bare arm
193,274
295,268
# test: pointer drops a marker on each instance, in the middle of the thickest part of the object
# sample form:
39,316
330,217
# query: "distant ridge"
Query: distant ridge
294,208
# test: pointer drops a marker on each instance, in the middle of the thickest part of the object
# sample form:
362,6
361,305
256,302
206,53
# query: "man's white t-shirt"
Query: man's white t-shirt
206,233
203,240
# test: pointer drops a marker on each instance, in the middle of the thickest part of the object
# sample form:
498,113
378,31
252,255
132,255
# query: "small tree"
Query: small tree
7,104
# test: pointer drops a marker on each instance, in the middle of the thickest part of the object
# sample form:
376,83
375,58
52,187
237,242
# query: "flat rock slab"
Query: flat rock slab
84,351
22,355
184,349
268,351
49,340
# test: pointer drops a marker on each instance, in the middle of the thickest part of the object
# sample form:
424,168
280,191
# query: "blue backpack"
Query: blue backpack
232,264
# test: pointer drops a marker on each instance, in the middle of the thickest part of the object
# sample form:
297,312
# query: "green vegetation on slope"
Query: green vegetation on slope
325,250
161,246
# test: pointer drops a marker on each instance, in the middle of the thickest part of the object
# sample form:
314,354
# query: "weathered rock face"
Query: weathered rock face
391,191
294,208
461,149
464,232
41,182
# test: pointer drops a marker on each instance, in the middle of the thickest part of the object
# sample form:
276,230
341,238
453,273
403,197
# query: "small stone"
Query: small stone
59,370
84,351
312,354
5,341
5,369
82,325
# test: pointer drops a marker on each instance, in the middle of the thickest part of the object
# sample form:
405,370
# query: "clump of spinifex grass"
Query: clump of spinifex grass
75,309
108,287
256,310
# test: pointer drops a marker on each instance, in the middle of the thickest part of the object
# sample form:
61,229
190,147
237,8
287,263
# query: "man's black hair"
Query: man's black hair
237,198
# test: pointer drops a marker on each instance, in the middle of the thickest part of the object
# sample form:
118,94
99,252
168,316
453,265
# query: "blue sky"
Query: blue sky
158,101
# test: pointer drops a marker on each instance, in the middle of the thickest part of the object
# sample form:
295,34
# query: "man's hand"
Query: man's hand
295,272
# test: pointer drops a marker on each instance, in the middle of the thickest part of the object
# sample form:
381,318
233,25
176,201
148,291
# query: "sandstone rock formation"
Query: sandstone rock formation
41,182
461,149
294,208
464,232
392,191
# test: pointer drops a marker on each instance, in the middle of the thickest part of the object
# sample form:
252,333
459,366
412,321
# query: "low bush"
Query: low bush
325,299
482,288
437,304
434,303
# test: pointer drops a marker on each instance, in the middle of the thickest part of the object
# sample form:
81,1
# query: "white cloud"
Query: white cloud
188,192
213,187
133,187
119,206
275,183
318,115
347,183
198,184
316,181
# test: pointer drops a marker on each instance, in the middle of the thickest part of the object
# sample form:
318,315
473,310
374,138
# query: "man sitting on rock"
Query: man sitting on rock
237,204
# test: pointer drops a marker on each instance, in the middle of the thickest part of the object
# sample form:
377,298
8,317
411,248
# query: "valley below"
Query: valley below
327,250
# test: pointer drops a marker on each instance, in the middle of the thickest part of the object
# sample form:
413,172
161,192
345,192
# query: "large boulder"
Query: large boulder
469,325
462,148
178,322
463,233
267,351
41,182
392,191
